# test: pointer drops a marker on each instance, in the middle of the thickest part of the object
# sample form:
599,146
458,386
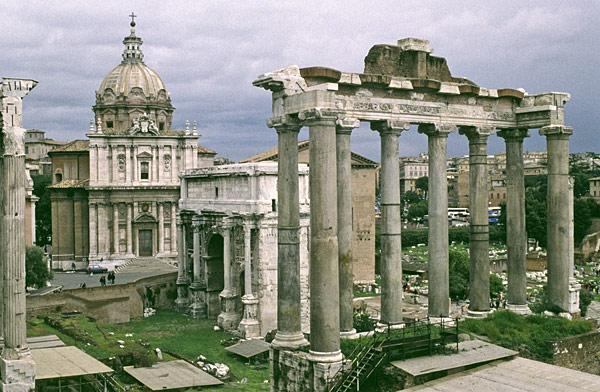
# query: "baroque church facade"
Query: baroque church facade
115,196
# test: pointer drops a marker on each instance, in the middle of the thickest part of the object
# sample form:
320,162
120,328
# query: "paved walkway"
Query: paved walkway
134,270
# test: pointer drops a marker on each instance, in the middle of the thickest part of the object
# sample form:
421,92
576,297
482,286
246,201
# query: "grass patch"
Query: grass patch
171,332
531,335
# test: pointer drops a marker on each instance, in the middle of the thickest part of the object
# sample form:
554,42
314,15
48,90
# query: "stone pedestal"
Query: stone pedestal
574,289
18,374
198,306
294,371
249,326
228,319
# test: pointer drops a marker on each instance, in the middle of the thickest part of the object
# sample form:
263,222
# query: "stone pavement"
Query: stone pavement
135,270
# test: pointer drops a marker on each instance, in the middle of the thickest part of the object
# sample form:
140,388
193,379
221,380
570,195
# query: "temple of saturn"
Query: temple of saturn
17,369
402,85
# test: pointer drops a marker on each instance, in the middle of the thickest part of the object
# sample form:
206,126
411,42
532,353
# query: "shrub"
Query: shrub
36,267
363,322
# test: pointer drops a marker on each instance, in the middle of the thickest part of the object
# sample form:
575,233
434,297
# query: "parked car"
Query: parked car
97,269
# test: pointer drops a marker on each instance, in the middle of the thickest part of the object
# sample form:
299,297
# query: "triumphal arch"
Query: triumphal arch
403,85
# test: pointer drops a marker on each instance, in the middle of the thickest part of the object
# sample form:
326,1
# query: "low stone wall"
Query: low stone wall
293,371
581,352
110,304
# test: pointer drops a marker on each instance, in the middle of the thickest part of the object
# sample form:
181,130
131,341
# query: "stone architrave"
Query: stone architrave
479,285
391,223
516,235
249,326
182,300
344,127
289,327
17,368
197,307
439,289
324,273
559,268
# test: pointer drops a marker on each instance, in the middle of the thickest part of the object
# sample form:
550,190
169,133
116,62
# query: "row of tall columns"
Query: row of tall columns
17,369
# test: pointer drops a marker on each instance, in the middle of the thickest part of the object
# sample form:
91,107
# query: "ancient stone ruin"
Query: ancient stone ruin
17,368
402,85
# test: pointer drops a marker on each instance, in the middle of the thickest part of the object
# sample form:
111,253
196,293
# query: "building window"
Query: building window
273,205
161,126
58,177
144,170
216,192
109,124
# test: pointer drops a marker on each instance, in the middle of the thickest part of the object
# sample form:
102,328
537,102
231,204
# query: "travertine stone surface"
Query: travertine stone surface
17,368
344,206
391,224
439,290
516,235
479,287
557,138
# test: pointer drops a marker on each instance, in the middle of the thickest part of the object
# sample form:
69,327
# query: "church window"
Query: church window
161,126
216,192
58,177
274,205
109,124
144,170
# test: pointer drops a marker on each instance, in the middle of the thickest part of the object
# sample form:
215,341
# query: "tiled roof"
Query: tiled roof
273,155
206,150
74,146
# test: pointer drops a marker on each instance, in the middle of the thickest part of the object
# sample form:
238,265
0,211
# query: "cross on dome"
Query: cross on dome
132,53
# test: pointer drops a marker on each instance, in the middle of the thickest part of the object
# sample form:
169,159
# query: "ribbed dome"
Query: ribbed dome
127,76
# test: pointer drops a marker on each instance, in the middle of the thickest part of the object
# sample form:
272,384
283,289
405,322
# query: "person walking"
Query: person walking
103,281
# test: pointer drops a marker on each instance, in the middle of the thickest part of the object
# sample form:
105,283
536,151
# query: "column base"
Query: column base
574,289
198,305
478,314
18,375
289,340
250,326
519,309
325,357
349,334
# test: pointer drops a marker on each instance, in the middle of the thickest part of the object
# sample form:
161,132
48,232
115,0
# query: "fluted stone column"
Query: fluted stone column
557,138
324,273
228,319
344,204
391,223
439,289
129,229
161,229
182,280
289,332
197,308
516,234
249,326
17,368
479,285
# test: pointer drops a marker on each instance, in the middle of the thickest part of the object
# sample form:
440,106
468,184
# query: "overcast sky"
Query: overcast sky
208,53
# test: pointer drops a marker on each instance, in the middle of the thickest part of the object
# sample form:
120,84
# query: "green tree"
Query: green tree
458,274
43,214
496,286
417,210
36,267
422,184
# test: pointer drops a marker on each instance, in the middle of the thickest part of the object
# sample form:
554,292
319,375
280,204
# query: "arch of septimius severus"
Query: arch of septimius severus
405,85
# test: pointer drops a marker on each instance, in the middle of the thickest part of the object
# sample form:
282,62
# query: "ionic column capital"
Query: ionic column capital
436,130
513,134
284,124
345,125
317,115
390,126
476,133
556,131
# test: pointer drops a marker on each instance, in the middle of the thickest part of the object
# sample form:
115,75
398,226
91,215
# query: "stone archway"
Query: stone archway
215,274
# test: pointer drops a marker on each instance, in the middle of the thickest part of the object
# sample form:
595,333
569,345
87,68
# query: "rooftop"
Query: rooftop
74,146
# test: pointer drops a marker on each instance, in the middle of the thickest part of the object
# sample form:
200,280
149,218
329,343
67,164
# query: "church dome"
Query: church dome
132,89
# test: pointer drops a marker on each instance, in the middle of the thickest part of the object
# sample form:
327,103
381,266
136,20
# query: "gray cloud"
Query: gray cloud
208,53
